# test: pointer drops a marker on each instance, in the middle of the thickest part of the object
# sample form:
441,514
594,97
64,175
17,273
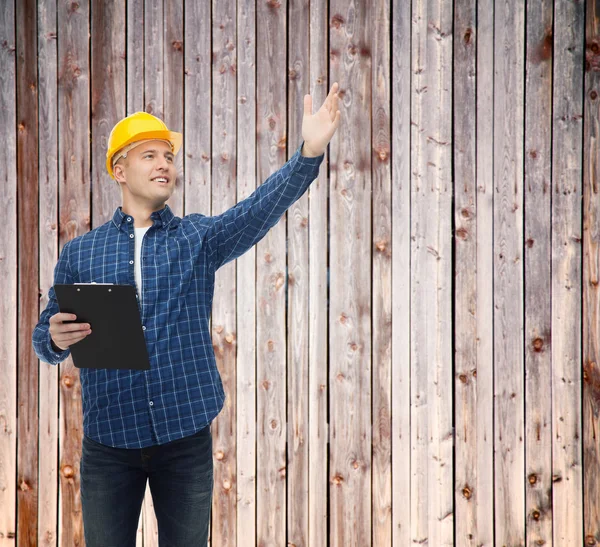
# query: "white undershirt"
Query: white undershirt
137,260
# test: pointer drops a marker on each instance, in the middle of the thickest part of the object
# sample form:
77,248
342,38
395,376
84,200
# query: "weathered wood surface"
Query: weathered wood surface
8,268
350,362
466,291
538,293
340,348
567,120
271,342
27,273
509,432
401,192
591,281
298,288
246,425
381,251
224,332
74,220
318,433
432,510
48,509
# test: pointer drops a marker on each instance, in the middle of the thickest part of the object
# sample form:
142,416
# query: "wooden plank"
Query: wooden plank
508,273
74,215
485,273
223,330
432,512
108,101
27,271
538,383
173,89
8,269
135,56
298,288
271,26
465,209
382,275
567,114
48,256
401,179
350,279
153,57
318,433
591,273
246,281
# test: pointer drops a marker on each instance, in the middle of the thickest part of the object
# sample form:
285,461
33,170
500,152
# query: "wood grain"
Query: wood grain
538,227
567,115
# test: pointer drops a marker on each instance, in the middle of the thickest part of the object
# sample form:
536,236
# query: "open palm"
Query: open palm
318,128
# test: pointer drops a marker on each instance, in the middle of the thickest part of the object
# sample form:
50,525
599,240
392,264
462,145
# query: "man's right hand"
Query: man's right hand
64,334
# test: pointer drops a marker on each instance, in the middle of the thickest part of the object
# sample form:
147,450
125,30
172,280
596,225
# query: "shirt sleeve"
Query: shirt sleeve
42,343
235,231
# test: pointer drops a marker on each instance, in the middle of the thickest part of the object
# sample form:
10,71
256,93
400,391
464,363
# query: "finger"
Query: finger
60,317
65,341
307,105
328,100
72,327
336,122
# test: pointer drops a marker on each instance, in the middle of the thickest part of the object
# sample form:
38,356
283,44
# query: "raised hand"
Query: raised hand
318,128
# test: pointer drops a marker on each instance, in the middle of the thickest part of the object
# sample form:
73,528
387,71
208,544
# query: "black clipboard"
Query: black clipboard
117,340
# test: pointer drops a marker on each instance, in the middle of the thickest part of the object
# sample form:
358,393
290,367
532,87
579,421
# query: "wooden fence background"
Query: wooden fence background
412,355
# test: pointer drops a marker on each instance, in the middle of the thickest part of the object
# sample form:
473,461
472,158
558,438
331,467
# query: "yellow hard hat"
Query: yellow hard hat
137,127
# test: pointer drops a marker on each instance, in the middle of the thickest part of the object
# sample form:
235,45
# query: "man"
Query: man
155,425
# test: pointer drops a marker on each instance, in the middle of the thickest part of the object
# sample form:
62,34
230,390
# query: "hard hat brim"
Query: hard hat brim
175,138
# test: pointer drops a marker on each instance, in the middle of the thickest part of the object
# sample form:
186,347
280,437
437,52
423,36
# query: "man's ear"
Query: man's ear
119,173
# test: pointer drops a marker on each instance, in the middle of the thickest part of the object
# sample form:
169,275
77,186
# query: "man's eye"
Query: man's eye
148,156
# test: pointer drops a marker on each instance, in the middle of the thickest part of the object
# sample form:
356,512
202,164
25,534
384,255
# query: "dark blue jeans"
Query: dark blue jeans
113,483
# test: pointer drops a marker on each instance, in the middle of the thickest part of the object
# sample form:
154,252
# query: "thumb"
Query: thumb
307,105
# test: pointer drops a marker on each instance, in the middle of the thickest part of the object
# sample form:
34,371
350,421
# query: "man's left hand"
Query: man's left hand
317,129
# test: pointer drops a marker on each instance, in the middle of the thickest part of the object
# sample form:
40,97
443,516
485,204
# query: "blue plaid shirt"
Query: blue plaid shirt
182,392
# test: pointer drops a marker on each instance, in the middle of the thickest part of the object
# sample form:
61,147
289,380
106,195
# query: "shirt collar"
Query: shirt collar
162,219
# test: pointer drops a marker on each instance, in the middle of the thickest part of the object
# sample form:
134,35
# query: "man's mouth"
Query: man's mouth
161,180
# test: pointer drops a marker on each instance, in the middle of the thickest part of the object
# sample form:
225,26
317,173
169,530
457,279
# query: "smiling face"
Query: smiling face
147,175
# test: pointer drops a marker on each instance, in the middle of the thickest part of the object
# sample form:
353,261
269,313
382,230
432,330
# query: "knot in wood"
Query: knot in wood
67,381
229,338
337,480
380,245
226,485
532,478
462,233
68,471
466,492
337,21
24,486
535,515
593,95
268,258
219,455
462,378
273,424
590,540
538,344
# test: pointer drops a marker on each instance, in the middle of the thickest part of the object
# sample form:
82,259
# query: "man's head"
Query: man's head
147,173
141,152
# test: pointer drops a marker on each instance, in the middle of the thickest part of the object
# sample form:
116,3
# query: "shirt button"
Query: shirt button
128,219
143,327
131,262
151,403
130,235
